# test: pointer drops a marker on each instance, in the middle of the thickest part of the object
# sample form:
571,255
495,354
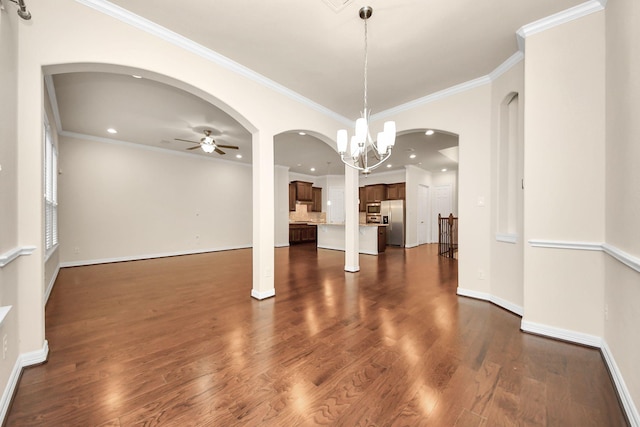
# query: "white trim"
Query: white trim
4,311
282,245
134,145
413,245
51,251
49,288
180,41
53,100
263,295
625,258
561,334
352,268
620,255
506,65
621,387
500,302
507,305
9,256
559,244
507,238
473,294
335,248
561,18
23,360
81,263
445,93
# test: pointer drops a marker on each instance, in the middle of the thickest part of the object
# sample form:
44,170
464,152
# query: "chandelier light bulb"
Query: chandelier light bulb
343,141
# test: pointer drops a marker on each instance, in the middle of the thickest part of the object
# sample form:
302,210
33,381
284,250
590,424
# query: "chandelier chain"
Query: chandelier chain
366,60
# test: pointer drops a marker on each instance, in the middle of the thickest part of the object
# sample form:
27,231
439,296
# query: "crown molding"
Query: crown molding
176,39
93,138
559,18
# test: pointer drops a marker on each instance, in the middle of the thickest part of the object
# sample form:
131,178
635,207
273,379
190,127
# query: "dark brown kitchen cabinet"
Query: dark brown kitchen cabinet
396,191
382,238
292,197
362,197
375,193
301,233
304,192
316,198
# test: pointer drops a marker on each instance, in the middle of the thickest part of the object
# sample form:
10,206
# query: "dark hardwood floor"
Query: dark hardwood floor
180,342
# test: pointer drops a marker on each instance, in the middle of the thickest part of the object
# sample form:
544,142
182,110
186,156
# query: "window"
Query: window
50,190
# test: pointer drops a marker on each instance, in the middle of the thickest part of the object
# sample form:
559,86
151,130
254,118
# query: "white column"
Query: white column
351,220
263,215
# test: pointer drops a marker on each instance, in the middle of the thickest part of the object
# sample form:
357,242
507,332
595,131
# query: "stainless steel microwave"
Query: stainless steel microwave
373,208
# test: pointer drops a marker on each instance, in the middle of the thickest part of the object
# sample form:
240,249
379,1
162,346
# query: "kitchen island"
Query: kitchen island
373,237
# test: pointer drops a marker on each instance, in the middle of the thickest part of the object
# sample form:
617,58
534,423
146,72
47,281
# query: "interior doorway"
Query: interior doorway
423,215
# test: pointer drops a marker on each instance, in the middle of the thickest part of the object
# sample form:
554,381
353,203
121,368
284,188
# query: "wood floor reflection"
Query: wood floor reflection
179,342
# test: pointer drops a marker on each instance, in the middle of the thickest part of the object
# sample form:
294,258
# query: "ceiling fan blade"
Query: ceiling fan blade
219,151
194,148
186,140
233,147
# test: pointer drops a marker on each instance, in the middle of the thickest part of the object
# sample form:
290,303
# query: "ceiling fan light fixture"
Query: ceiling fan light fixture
208,148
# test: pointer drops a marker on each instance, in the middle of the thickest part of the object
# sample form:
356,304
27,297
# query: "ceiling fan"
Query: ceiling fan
208,144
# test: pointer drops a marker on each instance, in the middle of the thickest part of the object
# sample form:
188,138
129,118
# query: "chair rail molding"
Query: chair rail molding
9,256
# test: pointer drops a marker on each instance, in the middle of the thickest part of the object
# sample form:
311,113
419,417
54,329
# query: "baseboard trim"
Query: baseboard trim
623,392
502,303
24,360
151,256
263,295
561,334
352,268
47,291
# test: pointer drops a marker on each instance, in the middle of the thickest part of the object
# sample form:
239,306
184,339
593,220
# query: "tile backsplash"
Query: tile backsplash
302,214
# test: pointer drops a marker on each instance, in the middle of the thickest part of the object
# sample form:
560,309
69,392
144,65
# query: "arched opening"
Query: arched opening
148,189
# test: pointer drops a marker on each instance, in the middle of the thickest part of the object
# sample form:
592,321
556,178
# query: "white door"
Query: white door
423,214
336,208
442,204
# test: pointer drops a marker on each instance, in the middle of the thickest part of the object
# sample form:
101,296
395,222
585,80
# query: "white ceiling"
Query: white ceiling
416,47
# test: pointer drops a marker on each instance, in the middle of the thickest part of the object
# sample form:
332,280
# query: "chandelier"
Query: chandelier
356,153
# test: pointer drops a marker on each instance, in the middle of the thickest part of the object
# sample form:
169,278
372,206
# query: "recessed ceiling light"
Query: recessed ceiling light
135,76
389,166
429,132
112,130
302,133
312,169
413,156
444,169
299,164
238,156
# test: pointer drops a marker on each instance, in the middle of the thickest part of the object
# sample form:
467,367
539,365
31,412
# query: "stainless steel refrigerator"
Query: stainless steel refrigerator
393,214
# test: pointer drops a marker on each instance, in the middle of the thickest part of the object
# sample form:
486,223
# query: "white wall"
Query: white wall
123,201
390,177
467,114
564,170
622,283
10,273
281,206
507,257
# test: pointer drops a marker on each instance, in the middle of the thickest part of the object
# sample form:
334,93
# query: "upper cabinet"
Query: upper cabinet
396,191
362,197
292,197
380,192
375,193
316,196
304,192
